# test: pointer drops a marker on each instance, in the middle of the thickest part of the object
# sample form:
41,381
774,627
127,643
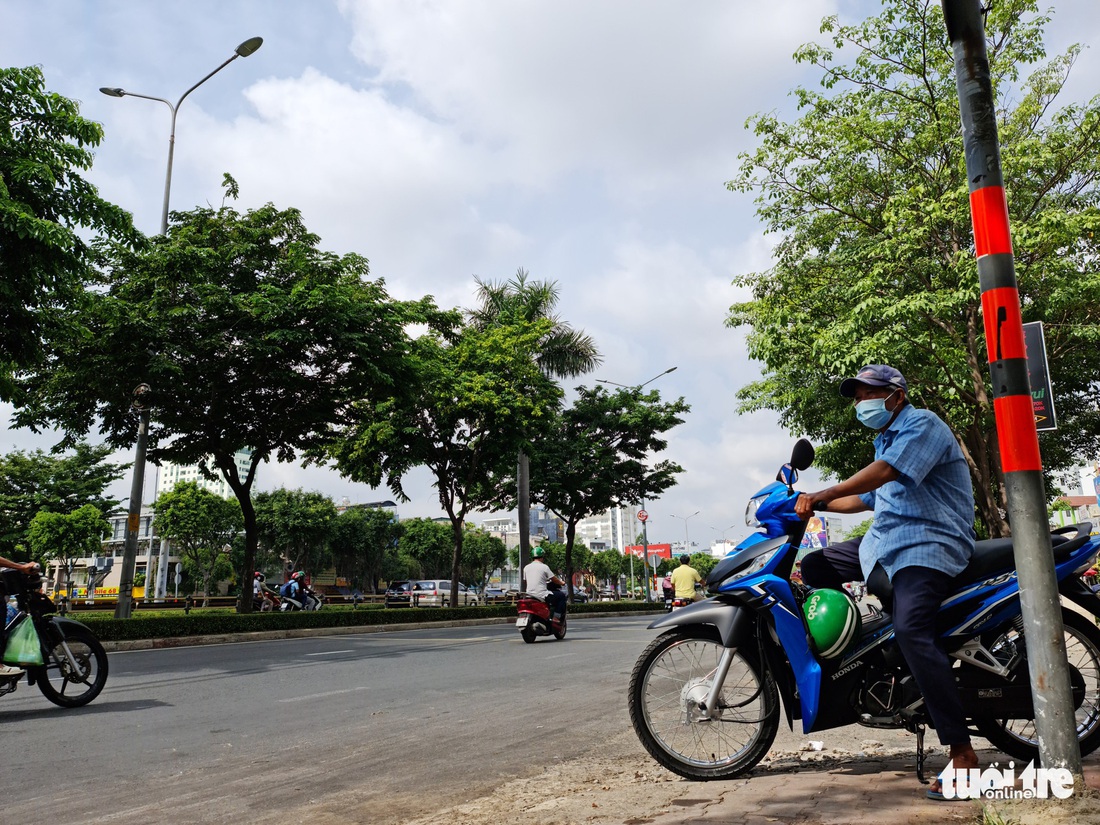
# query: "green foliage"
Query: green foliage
297,527
859,530
426,545
473,396
561,351
482,553
47,209
596,454
362,540
201,527
39,481
866,193
66,537
249,334
607,565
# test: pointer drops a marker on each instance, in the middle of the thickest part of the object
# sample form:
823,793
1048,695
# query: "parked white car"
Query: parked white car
437,593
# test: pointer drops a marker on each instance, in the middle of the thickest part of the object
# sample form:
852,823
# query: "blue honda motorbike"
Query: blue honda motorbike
705,696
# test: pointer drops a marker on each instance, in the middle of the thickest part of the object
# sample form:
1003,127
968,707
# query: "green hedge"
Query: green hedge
201,623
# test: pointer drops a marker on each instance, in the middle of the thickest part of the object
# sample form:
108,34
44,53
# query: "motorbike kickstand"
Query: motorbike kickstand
919,731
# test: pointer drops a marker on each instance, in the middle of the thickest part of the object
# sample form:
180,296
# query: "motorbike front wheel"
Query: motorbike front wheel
1018,737
75,668
670,682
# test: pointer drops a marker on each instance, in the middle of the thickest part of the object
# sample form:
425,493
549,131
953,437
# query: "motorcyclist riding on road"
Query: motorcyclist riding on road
543,584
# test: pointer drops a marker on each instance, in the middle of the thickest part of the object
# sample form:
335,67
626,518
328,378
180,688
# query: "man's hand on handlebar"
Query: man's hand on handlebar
807,503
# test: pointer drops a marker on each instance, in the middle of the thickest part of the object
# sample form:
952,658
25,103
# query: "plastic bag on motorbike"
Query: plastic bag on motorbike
23,648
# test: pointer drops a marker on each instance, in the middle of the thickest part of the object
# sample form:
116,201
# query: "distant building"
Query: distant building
546,526
606,530
172,474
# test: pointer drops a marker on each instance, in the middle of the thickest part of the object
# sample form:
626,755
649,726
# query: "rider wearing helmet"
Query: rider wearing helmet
295,588
543,584
684,578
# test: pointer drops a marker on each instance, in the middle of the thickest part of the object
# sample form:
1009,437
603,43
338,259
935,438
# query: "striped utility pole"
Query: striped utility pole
1055,725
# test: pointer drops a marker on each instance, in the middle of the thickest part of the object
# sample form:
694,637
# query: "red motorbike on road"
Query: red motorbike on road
534,619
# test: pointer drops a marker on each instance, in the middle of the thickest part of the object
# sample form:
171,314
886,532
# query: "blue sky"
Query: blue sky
587,142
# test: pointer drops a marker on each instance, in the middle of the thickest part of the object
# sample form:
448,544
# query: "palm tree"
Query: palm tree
563,353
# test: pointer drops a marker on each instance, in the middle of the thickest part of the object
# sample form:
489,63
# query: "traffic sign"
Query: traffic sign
642,516
654,561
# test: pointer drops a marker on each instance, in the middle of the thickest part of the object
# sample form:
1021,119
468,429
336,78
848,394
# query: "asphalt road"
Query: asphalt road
397,724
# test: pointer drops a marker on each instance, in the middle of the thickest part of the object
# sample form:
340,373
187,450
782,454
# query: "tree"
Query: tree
473,398
201,527
425,547
866,191
46,211
251,337
607,565
67,537
34,482
297,527
596,455
482,553
361,540
562,352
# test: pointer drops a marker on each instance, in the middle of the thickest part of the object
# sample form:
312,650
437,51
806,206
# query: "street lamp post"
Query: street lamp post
687,540
636,386
133,519
244,50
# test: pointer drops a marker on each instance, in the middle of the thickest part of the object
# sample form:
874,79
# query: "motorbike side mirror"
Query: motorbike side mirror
802,456
787,475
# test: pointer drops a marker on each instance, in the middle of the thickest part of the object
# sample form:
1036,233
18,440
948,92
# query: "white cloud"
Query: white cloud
586,142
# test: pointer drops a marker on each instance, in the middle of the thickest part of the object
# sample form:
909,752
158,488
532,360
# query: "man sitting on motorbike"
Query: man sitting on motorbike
260,594
295,589
922,535
27,567
543,584
684,578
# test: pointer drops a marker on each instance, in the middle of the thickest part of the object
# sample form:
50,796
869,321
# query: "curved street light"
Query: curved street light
686,519
246,48
133,520
636,386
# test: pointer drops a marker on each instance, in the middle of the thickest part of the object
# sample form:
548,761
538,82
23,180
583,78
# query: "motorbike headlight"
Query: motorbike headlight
750,511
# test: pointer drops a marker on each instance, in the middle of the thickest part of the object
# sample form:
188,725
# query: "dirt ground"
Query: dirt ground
807,787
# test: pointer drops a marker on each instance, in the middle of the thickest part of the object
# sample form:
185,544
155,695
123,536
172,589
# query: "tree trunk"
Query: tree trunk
523,507
570,537
456,562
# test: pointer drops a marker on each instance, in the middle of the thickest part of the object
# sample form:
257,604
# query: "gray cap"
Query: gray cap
873,375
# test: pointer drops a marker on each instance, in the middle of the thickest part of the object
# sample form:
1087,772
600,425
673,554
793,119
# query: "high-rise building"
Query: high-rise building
607,530
172,474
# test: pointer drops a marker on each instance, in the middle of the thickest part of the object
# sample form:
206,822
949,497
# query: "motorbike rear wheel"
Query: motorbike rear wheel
671,679
528,635
560,633
76,682
1018,737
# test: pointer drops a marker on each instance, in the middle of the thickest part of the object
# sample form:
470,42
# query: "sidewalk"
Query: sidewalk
863,790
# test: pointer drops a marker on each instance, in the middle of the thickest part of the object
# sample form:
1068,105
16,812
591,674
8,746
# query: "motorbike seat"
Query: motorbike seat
990,556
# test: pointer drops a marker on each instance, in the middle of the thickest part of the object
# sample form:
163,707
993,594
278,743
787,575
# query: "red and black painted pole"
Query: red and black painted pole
1055,725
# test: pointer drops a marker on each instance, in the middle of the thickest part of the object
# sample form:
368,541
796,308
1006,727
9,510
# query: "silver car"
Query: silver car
437,593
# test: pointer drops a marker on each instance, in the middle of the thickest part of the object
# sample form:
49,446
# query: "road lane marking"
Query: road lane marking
330,652
313,696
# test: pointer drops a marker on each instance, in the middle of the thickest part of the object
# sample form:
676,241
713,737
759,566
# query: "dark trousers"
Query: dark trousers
918,593
557,601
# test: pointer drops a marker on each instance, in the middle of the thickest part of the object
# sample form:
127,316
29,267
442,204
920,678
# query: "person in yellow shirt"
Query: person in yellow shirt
684,578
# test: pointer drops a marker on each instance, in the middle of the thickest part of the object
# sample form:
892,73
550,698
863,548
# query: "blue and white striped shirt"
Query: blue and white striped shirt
924,518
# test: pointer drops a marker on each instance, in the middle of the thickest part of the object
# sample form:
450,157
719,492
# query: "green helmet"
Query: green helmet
538,553
833,619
